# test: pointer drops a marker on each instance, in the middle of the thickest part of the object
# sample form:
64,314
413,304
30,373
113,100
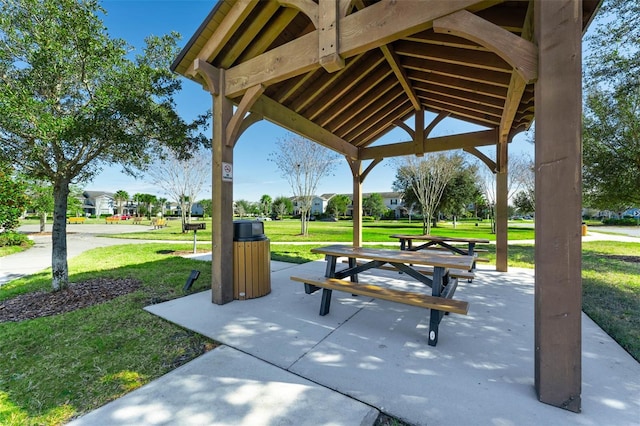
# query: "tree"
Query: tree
524,202
611,122
426,177
40,196
303,164
611,149
121,197
182,178
339,204
149,200
73,100
242,207
374,205
162,202
265,204
207,207
460,192
13,200
519,172
282,206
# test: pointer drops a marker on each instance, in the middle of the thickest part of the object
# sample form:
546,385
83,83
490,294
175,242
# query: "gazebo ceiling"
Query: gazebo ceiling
446,65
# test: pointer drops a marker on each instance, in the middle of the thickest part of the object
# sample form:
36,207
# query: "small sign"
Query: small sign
227,172
636,213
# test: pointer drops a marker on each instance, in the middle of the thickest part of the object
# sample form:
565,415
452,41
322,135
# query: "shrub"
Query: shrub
12,239
620,222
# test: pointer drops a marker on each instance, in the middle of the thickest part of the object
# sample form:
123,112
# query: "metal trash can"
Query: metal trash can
251,260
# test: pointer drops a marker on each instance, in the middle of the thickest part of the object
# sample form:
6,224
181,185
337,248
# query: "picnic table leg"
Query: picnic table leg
435,315
325,304
330,272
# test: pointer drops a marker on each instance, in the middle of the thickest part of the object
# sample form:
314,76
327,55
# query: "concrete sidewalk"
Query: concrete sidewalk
371,353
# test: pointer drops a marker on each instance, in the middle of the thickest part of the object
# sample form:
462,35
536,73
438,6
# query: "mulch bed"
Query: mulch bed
630,259
80,295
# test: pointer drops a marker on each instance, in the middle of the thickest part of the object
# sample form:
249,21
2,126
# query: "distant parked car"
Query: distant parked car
263,218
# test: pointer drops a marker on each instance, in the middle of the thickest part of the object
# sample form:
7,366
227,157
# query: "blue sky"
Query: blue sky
254,174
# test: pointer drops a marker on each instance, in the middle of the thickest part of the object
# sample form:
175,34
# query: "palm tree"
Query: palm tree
148,201
120,198
163,204
265,204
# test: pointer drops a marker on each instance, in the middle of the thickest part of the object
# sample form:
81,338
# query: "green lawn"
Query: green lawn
341,231
53,368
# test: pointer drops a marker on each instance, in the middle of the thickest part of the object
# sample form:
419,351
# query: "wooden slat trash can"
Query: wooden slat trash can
251,260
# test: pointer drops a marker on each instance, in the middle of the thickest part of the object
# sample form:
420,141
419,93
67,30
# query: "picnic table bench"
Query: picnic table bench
112,219
444,243
429,268
76,220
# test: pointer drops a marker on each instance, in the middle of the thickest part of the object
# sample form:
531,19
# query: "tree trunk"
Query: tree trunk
60,269
43,221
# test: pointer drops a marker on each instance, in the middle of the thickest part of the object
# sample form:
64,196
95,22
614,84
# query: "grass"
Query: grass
7,250
54,368
342,231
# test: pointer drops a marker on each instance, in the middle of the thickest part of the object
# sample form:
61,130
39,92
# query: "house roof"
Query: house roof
469,60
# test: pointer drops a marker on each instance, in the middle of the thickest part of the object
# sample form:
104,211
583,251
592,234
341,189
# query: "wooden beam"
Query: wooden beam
284,117
249,98
367,29
558,166
261,43
222,198
328,36
401,75
474,87
521,54
482,157
469,58
502,213
231,22
517,87
208,73
419,136
356,202
249,34
485,76
442,143
350,87
307,7
370,167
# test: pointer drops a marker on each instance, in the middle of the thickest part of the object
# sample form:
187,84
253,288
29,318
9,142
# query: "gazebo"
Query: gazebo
343,73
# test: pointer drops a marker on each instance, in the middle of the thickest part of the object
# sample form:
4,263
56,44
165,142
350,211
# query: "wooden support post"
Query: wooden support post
502,208
222,198
501,221
558,368
356,171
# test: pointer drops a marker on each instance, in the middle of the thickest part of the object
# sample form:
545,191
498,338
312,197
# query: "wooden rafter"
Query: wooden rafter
361,31
521,54
284,117
401,75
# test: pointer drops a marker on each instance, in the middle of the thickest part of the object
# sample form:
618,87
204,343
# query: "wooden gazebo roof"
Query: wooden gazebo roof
434,58
345,72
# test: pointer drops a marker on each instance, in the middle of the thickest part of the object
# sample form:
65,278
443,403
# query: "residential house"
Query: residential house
97,203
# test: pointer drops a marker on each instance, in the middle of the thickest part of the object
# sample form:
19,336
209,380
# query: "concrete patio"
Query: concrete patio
375,352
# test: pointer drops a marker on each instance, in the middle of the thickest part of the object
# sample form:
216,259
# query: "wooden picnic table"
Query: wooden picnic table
431,241
411,263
